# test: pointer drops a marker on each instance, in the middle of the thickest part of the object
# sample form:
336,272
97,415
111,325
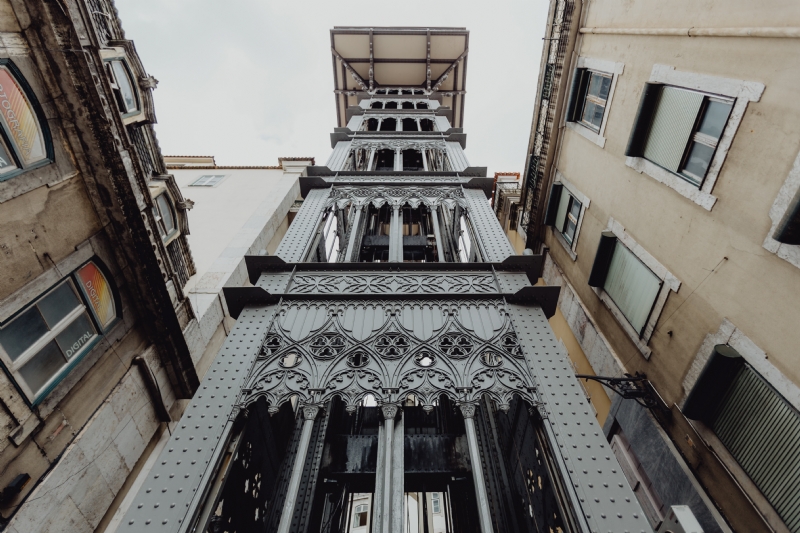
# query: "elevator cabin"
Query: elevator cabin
343,485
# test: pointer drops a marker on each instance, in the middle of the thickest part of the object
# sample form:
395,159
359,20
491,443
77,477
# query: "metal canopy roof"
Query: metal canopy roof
368,59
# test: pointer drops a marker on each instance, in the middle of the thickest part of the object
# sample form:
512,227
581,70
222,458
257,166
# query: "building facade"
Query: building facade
93,318
667,205
393,358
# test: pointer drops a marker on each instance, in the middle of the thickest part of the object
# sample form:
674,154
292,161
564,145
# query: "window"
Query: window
360,516
684,131
564,213
165,216
24,138
590,97
755,423
122,86
593,98
208,181
436,502
631,285
684,128
45,340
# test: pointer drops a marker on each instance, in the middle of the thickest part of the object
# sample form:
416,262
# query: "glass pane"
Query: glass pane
632,286
575,208
58,304
7,163
76,336
165,210
21,120
714,118
599,85
44,365
563,204
20,334
569,231
597,117
125,86
588,112
699,158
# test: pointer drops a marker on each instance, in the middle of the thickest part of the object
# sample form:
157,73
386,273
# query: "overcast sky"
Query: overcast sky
249,81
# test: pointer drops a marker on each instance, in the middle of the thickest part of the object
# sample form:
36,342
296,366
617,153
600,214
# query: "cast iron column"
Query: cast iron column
309,414
389,414
468,410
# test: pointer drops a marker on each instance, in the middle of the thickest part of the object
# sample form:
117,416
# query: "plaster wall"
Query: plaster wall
717,255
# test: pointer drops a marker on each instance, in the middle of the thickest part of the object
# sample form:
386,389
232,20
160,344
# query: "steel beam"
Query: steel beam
485,515
309,414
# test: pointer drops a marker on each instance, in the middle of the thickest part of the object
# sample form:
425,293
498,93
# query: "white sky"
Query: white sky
249,81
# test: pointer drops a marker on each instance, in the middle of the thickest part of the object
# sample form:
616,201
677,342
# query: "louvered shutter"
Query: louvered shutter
673,122
632,286
552,204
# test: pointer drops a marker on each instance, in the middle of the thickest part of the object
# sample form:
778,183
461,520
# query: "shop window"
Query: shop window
44,341
123,87
410,124
24,137
165,216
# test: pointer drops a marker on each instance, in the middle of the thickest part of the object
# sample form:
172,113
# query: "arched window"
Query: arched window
422,105
412,160
408,105
371,124
384,159
390,105
165,216
25,139
43,342
389,124
125,93
426,124
410,124
393,91
376,105
380,91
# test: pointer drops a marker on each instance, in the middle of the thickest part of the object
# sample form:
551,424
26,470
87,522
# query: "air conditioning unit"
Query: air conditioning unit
680,520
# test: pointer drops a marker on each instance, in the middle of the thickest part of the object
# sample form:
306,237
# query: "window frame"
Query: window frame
86,307
740,91
357,512
569,246
221,177
166,236
669,283
577,97
114,84
7,140
785,206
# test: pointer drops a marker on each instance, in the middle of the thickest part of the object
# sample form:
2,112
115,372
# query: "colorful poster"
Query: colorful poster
97,289
20,120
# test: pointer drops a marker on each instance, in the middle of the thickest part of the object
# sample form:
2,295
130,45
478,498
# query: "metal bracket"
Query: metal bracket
636,387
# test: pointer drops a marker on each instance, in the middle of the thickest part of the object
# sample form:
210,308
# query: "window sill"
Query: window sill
682,187
596,138
567,248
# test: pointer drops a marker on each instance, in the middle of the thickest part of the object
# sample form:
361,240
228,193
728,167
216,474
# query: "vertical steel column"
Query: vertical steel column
438,233
468,410
309,414
424,157
354,233
371,159
398,159
389,414
398,471
396,236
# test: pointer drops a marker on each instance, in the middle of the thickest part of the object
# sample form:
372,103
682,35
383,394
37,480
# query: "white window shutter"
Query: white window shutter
632,286
672,126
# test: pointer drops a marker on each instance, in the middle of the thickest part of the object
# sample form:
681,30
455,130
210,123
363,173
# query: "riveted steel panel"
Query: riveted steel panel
339,155
175,485
597,487
487,227
303,226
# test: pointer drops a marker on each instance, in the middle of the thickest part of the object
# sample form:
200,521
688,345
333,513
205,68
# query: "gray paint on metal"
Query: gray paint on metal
456,156
339,155
309,414
176,485
493,240
596,485
477,472
293,246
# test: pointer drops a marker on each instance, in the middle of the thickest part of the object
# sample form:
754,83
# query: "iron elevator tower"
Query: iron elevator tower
394,345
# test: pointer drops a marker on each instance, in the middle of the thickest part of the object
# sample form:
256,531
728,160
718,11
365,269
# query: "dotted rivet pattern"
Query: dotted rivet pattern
274,283
605,498
511,282
303,226
487,227
164,498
